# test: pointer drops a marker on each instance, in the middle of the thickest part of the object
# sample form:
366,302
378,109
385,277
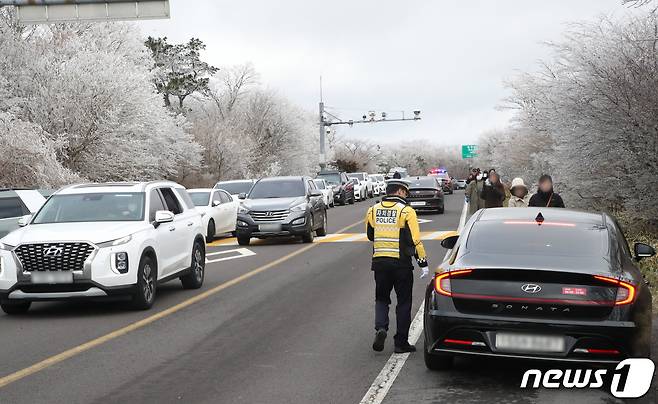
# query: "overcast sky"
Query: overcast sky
447,58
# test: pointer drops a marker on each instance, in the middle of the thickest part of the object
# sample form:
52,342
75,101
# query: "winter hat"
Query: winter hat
518,182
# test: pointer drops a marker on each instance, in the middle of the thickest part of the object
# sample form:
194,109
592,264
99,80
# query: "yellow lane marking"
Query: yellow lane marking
62,356
223,241
334,237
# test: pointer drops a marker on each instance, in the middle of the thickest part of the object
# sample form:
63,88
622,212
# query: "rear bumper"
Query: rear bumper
430,203
446,330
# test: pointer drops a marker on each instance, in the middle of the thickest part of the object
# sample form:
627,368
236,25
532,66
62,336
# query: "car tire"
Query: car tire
147,284
441,210
211,231
352,200
309,236
322,231
194,279
437,362
12,308
243,240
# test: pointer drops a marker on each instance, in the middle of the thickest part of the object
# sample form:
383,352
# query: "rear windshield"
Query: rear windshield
235,188
424,183
360,176
527,238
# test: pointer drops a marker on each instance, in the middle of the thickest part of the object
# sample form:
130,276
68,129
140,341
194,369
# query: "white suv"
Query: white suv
103,240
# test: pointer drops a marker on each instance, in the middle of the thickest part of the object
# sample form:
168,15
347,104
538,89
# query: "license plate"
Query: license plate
418,203
269,227
529,343
52,277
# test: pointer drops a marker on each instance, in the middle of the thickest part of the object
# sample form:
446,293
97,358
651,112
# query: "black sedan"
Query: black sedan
425,193
538,283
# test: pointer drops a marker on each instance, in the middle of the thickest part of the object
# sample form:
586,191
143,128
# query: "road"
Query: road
290,323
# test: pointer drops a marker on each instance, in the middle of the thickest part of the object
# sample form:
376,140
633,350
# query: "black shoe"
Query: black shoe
380,337
405,348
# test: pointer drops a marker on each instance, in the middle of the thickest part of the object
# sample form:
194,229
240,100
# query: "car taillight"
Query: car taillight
442,281
625,291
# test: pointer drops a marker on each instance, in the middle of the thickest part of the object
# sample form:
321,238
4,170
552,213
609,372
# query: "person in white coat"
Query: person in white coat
519,191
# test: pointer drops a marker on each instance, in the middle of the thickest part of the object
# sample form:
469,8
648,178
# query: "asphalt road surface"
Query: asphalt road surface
279,322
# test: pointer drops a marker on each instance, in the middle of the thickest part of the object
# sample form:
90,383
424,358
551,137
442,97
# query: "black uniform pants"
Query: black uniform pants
390,275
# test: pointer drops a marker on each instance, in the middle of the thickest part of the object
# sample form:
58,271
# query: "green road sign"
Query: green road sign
469,151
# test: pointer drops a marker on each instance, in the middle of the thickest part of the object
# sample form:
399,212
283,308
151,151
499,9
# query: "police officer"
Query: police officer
393,227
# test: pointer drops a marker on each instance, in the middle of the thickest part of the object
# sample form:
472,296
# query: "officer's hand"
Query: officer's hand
426,271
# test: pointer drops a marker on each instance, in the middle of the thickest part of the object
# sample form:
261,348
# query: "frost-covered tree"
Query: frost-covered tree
591,114
87,88
178,69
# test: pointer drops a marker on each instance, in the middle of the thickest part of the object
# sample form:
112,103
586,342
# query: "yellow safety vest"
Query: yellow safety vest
389,219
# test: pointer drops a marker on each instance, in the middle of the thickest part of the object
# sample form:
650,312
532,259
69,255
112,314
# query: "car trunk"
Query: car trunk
532,293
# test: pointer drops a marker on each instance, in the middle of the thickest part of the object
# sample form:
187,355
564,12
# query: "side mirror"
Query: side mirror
163,216
643,251
449,242
216,203
315,192
24,220
242,195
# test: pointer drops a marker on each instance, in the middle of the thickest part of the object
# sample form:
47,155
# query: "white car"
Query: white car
379,184
15,204
360,189
327,191
365,181
236,187
91,241
219,210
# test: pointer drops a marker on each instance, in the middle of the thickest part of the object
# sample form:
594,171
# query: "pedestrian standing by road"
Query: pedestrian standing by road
493,191
473,191
393,228
520,197
546,197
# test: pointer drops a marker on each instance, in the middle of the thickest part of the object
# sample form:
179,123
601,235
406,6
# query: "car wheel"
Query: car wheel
243,240
309,235
15,307
146,284
641,342
194,279
352,200
322,231
437,362
441,210
211,231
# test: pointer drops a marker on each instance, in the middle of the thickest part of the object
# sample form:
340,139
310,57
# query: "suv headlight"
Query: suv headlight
6,247
119,241
299,208
243,210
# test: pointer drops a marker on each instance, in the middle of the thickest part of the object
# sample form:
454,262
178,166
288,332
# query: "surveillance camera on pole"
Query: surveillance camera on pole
417,114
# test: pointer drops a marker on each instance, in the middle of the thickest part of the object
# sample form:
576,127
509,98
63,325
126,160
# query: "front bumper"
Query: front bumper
445,326
98,278
295,224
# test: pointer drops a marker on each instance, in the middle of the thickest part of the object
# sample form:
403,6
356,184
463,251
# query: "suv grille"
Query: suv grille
270,216
54,256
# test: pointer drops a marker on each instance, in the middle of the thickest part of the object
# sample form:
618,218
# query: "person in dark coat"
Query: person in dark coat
493,191
546,197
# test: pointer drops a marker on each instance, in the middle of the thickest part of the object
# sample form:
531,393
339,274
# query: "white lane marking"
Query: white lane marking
421,221
241,253
383,382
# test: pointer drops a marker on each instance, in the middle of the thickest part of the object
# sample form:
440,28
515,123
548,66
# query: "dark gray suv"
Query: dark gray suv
282,206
